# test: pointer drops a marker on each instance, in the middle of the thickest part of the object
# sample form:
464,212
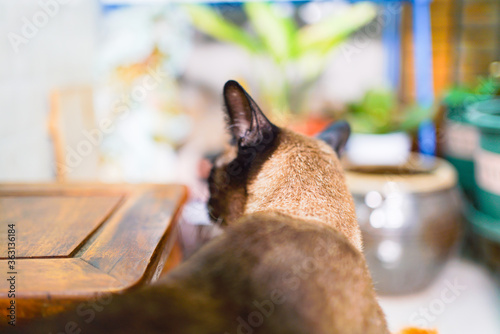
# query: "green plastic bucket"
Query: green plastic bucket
485,116
486,238
461,139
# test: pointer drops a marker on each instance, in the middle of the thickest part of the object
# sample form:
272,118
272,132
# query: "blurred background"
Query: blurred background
130,91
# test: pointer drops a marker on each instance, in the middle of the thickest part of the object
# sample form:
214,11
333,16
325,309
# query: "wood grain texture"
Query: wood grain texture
126,243
40,278
75,242
56,220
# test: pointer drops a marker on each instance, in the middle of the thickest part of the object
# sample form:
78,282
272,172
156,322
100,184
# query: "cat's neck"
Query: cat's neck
306,184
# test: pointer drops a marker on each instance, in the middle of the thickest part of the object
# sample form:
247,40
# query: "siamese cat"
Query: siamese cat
290,260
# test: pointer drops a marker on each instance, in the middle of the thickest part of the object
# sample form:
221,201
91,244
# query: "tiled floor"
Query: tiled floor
463,300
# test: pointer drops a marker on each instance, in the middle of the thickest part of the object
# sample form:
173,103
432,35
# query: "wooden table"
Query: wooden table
77,242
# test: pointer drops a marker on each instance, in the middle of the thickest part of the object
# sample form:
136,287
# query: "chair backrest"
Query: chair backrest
75,136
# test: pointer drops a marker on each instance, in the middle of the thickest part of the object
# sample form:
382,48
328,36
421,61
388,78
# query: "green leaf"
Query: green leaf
329,32
276,33
213,24
310,65
487,86
379,112
414,115
363,124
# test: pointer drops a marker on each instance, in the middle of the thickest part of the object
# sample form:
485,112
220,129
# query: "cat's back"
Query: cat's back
287,275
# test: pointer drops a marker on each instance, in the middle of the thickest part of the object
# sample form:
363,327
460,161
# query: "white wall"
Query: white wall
60,53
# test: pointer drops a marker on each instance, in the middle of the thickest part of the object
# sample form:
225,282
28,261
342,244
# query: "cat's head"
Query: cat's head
262,153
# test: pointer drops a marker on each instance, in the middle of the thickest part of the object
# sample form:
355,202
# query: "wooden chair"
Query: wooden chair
76,137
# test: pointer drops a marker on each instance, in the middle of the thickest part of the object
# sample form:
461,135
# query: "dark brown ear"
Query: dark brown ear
336,135
246,121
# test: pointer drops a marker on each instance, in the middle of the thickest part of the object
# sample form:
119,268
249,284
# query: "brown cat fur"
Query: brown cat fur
290,260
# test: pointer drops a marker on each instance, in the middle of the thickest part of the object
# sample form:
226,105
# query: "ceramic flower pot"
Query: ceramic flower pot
410,219
485,116
389,149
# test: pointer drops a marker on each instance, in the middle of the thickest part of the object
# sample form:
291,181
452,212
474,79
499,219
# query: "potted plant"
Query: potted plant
405,204
381,128
297,55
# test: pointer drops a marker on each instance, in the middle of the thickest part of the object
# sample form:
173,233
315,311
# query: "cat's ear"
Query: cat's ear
336,135
246,121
